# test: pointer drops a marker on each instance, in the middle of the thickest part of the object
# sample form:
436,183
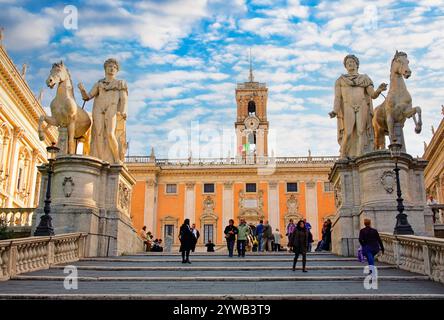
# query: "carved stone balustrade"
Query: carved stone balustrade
424,255
37,253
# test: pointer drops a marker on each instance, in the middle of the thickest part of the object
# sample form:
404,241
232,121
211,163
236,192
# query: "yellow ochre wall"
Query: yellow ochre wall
174,205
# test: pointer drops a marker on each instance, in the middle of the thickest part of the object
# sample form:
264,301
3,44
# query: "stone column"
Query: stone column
13,163
2,149
238,142
273,205
311,204
260,142
227,205
32,178
190,200
4,165
438,187
149,211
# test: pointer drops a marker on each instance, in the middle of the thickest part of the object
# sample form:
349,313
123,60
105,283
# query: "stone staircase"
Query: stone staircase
216,276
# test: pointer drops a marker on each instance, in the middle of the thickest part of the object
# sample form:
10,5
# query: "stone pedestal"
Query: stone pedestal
365,187
91,196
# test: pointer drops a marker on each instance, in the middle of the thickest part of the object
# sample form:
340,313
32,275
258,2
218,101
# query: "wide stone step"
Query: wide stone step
224,254
197,272
228,297
213,268
225,278
226,259
235,263
234,288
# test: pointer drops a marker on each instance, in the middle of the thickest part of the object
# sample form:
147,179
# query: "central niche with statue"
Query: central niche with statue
251,206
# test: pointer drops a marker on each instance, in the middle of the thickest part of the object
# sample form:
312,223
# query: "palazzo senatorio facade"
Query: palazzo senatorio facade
21,151
253,185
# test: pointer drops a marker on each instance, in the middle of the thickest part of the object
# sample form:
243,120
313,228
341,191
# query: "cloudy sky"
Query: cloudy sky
183,58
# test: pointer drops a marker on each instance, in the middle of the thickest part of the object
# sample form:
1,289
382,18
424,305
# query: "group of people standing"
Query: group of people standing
299,235
155,245
256,238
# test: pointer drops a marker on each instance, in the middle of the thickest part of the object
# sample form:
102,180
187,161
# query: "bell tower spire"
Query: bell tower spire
251,78
251,123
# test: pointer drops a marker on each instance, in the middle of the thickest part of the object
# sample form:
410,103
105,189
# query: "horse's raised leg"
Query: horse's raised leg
411,114
51,121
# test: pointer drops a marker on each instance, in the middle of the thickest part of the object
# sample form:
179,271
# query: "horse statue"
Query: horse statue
65,112
390,116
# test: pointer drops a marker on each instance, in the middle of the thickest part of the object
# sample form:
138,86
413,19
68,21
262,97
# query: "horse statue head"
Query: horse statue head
58,74
400,64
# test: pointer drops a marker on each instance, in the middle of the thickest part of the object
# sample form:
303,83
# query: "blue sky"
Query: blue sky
182,60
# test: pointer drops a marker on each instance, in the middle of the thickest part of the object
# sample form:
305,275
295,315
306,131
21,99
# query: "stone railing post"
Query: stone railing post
50,249
12,261
81,244
397,253
427,261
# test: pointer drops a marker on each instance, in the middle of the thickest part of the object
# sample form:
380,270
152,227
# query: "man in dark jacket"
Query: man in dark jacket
196,235
371,243
230,235
267,237
299,243
186,241
259,233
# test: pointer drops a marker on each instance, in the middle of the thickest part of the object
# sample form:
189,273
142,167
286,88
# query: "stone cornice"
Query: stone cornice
20,93
436,143
234,171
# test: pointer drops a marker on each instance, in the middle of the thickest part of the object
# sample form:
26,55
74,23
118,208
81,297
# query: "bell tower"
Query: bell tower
251,123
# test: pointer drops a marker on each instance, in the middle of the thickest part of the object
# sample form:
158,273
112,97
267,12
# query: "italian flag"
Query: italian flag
245,147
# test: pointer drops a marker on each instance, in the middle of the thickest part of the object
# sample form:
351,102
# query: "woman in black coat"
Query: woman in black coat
186,238
327,236
299,243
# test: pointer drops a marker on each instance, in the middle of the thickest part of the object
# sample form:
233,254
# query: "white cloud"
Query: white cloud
25,30
293,10
163,58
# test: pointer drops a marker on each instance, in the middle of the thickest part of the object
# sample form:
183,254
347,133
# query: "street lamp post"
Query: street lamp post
45,226
402,225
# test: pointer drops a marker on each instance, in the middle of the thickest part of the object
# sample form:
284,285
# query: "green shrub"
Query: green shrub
4,232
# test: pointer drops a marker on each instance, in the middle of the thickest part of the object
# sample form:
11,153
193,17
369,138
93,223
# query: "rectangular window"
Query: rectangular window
292,187
208,233
328,187
169,230
250,187
208,187
19,179
171,188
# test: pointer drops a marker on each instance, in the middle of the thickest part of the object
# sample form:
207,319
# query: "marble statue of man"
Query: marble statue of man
353,108
108,136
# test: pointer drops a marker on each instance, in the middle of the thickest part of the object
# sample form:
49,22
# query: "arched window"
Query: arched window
251,108
252,138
